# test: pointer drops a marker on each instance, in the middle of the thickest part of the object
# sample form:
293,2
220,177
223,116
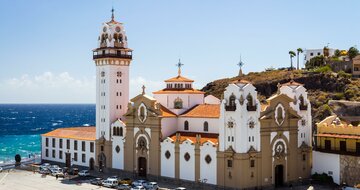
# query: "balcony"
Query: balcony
351,152
251,107
230,108
113,55
303,107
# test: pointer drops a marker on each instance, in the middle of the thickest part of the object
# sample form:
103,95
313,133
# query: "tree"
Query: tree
17,159
292,54
353,52
337,53
298,51
314,62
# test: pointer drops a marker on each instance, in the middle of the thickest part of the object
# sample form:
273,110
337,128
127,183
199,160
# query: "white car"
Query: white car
138,188
151,186
84,173
180,188
1,169
110,183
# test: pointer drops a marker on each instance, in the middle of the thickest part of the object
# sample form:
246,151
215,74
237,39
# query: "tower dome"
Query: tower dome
112,34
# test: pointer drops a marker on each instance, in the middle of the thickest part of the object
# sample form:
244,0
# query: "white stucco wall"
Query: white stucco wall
210,99
189,101
197,124
168,126
64,150
168,165
326,163
187,168
208,170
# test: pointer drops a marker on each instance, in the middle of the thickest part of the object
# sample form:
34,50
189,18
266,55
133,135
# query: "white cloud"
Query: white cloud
151,86
49,87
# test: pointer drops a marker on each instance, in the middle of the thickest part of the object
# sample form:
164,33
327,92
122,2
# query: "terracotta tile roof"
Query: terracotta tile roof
203,111
264,106
338,136
292,83
212,137
179,91
78,133
179,78
166,112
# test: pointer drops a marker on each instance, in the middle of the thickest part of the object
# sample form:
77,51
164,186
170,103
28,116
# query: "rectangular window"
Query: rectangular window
358,147
47,153
83,158
229,138
75,156
304,157
327,145
232,138
53,153
53,143
60,143
75,145
249,139
60,154
102,148
342,145
252,163
83,145
47,142
229,163
91,146
68,144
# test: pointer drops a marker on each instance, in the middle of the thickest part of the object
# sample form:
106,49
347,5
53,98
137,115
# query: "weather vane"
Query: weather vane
240,64
179,65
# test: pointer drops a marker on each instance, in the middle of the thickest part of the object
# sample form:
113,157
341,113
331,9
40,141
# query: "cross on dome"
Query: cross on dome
143,89
112,14
179,65
240,64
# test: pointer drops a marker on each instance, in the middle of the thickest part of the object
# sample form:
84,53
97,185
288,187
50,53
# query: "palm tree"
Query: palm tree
292,54
298,51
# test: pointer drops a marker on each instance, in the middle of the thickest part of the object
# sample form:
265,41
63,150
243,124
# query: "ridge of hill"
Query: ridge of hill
321,87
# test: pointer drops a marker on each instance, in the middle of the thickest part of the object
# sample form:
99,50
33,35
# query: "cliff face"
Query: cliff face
321,87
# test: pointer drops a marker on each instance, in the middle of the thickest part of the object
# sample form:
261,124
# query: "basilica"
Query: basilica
178,132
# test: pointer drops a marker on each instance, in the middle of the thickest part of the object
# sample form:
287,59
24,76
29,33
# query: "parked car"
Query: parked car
57,173
138,188
1,169
125,181
44,171
110,183
84,173
46,165
123,187
140,182
113,177
73,171
97,181
180,188
151,186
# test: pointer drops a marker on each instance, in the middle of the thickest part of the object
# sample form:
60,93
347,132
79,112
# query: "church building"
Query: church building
178,132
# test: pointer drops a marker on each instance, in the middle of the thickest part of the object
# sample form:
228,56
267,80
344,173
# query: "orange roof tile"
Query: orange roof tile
166,112
79,133
192,136
179,79
292,83
204,111
338,136
179,91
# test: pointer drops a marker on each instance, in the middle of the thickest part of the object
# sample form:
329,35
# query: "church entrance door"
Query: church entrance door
279,175
91,163
142,167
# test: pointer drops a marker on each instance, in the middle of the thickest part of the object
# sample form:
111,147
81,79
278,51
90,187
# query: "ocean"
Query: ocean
22,124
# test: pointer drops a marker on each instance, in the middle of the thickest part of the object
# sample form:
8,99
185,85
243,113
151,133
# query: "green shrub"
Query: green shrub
339,96
344,75
324,69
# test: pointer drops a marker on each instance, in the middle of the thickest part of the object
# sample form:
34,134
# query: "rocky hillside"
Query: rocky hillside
322,87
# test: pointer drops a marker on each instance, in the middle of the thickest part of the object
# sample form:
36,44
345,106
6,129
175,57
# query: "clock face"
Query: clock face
104,29
117,29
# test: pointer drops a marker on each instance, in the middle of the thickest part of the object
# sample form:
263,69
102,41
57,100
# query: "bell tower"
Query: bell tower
112,58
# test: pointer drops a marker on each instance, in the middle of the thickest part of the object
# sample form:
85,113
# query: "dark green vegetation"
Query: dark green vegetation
321,83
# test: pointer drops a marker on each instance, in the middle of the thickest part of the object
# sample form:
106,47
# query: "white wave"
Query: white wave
54,124
86,124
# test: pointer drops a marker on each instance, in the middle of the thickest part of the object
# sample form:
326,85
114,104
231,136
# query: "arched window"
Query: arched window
232,100
206,126
178,103
121,131
186,125
302,105
114,131
250,100
118,74
142,113
117,131
102,74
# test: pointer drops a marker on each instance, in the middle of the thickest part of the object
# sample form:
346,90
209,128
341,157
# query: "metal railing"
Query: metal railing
351,152
112,55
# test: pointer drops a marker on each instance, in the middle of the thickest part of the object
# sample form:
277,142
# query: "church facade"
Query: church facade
180,133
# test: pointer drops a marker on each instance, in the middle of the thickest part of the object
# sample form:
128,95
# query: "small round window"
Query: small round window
187,156
117,29
167,154
208,159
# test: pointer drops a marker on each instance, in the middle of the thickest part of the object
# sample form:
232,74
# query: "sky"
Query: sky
46,46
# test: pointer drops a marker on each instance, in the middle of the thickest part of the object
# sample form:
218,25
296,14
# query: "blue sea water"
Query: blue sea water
22,124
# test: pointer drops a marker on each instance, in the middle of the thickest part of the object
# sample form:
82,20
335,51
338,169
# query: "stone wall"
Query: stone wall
350,169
